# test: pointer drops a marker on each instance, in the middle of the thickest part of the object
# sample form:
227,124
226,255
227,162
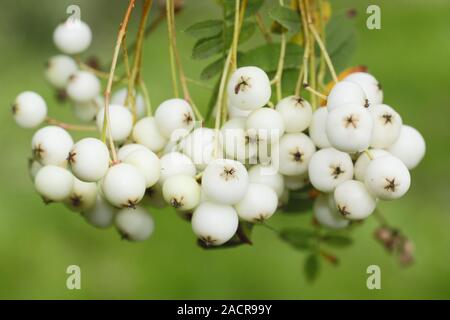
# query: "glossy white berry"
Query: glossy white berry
369,84
349,128
175,163
409,147
146,132
266,125
72,36
121,121
328,168
29,109
51,145
87,111
327,214
147,163
200,145
249,88
387,178
82,197
53,183
235,141
363,161
120,96
123,185
317,128
59,69
267,175
296,113
259,203
126,149
182,192
294,153
89,159
353,200
296,182
225,181
172,115
101,215
387,125
344,93
134,224
234,112
214,223
83,86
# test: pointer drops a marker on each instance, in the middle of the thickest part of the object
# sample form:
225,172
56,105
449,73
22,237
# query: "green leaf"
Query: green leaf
212,69
247,31
253,6
341,40
298,238
287,18
312,267
299,202
337,241
266,56
212,100
205,29
207,47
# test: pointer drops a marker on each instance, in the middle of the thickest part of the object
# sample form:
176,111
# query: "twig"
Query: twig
324,51
146,95
173,69
314,92
69,126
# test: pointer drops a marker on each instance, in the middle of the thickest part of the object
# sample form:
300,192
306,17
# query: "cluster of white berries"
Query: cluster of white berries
354,151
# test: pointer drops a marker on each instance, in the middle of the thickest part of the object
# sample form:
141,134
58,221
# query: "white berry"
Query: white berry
236,143
121,121
327,215
387,125
369,84
87,111
175,163
387,178
344,93
266,125
72,36
349,128
296,113
328,168
147,163
267,175
363,161
200,145
29,109
182,192
134,224
51,145
172,115
83,86
294,153
353,200
82,197
101,215
409,147
234,112
249,88
225,181
317,128
120,96
123,185
59,69
259,203
214,223
146,132
54,183
296,182
89,159
126,149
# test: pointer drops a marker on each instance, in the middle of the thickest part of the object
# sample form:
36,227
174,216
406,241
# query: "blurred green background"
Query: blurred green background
410,55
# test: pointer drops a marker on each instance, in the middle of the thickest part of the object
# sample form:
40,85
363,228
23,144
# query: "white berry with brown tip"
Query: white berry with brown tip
317,128
235,141
369,84
214,223
249,88
294,153
296,113
344,93
29,109
147,163
146,132
387,126
182,192
83,86
327,214
121,121
123,185
59,69
266,125
134,224
200,146
225,181
353,200
172,115
363,162
269,176
89,159
82,197
259,203
101,215
51,145
175,163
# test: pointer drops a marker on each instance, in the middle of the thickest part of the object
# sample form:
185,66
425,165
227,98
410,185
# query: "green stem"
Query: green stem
173,69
